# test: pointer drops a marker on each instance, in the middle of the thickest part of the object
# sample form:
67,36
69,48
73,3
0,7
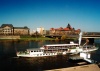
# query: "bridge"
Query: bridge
89,37
85,35
75,36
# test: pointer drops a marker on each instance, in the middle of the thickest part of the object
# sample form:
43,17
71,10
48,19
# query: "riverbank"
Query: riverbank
37,39
90,67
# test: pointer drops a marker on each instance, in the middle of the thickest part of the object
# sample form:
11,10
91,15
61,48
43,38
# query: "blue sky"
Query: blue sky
80,14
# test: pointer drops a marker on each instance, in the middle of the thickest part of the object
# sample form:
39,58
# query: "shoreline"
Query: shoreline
36,39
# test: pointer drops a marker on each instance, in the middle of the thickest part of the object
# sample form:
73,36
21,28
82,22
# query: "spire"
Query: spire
68,26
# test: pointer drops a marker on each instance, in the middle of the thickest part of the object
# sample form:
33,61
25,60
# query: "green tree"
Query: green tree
57,39
63,37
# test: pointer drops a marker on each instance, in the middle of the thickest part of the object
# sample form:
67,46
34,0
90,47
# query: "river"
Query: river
9,61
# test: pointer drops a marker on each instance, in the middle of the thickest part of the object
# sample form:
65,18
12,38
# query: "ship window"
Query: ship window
34,51
31,51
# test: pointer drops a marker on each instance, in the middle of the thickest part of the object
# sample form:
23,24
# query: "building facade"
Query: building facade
40,30
9,29
64,31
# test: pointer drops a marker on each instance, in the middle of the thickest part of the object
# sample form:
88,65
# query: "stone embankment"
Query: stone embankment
90,67
9,37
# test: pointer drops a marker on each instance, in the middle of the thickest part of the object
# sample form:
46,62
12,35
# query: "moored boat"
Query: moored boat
49,50
58,49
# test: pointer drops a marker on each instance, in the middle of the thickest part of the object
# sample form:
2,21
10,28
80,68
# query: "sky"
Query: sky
80,14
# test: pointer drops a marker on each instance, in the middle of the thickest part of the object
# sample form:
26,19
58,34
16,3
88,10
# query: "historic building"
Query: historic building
40,30
9,29
66,30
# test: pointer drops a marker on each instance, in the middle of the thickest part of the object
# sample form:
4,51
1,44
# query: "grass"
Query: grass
37,38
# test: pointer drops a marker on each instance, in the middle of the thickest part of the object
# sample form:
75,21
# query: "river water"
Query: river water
9,61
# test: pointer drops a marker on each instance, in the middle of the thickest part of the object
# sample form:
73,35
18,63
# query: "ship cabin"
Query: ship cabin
41,52
61,46
35,51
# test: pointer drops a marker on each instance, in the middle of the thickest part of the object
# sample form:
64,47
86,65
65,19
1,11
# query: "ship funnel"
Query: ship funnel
80,38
